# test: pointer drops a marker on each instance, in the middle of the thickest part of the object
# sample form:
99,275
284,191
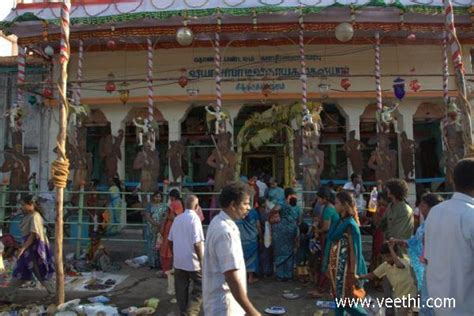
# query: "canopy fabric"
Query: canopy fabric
163,9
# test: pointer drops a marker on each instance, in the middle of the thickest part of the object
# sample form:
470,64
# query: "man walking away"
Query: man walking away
224,273
449,246
187,242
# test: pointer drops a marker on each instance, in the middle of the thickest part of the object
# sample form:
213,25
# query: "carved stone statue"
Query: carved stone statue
148,162
18,165
453,140
219,118
385,117
312,162
311,121
80,161
145,129
383,160
15,115
109,149
175,155
224,160
353,151
408,147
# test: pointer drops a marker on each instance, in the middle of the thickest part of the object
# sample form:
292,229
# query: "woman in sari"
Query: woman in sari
343,260
250,234
114,207
35,258
416,246
174,209
154,216
284,235
325,224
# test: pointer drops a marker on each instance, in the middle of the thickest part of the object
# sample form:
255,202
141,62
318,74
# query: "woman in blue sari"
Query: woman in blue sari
35,257
343,259
284,235
114,207
416,247
154,216
250,234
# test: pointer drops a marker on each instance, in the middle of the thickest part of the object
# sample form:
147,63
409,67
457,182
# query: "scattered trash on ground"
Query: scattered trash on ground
275,310
137,262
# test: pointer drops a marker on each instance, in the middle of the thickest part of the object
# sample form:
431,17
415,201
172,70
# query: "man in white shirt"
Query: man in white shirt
187,241
449,246
356,187
262,187
224,273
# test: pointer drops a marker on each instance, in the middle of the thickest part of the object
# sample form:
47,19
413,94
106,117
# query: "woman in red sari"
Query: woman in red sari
378,236
175,208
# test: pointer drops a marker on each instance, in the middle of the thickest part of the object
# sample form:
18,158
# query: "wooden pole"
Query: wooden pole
60,167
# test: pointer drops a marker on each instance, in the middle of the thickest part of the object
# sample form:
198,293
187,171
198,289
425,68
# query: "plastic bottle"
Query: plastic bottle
373,200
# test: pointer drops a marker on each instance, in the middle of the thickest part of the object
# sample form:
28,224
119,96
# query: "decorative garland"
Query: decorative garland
303,77
378,83
196,6
149,80
122,12
445,70
20,81
80,58
217,64
243,28
163,8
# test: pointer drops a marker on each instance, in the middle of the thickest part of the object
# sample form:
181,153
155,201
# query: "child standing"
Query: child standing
399,274
377,235
302,254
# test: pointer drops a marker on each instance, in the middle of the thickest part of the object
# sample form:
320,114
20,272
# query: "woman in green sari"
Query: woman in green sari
114,207
154,216
343,260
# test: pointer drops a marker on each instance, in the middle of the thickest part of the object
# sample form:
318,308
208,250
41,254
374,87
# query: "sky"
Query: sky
5,8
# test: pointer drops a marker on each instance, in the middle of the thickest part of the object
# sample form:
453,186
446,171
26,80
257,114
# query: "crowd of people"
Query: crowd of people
264,234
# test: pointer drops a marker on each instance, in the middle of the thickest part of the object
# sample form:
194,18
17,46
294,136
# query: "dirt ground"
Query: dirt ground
143,283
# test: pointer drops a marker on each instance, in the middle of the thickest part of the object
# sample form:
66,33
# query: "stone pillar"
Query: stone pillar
406,111
352,110
174,115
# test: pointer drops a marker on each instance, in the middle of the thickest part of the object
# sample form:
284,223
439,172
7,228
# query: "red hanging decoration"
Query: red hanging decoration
47,93
111,44
415,85
110,85
411,37
266,90
345,83
183,80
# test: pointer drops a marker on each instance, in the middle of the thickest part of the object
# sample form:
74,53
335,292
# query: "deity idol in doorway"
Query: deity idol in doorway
81,161
383,160
110,153
353,148
223,159
175,155
148,161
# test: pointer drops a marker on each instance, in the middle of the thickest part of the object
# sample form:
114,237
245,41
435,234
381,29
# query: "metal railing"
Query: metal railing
9,213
